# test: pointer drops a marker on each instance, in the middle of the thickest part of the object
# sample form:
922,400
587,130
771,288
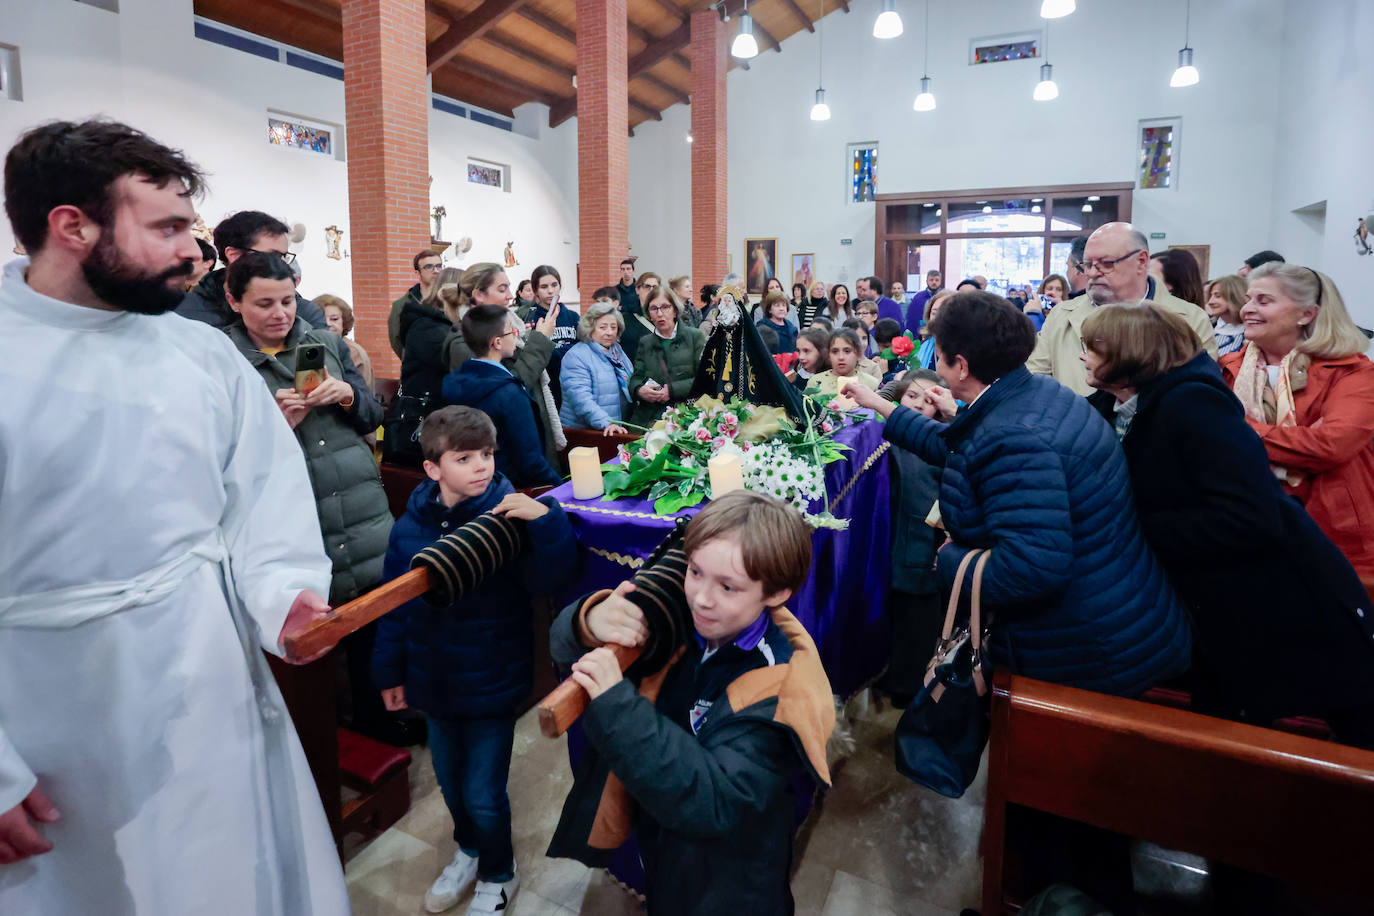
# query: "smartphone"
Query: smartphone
309,368
1047,303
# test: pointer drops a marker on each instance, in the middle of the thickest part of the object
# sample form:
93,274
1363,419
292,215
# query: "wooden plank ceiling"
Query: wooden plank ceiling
499,54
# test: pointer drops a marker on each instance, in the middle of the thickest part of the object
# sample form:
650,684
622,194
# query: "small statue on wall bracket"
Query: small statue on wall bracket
333,237
510,255
438,214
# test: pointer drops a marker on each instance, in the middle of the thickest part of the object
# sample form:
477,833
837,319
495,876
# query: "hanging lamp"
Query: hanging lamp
745,46
1186,74
888,24
1046,89
1056,9
926,100
820,111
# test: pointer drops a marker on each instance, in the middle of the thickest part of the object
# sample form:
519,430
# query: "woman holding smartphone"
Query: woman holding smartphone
666,360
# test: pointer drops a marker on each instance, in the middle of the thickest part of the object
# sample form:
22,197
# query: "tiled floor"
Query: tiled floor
879,845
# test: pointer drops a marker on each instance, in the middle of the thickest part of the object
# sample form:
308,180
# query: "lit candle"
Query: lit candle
726,474
585,464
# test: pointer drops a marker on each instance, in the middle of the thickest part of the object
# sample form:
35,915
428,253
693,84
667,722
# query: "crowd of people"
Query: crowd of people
1174,478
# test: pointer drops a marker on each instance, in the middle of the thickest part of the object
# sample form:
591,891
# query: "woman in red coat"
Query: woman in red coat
1308,390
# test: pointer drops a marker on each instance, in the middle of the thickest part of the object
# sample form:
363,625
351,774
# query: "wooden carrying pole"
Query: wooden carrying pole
566,702
325,633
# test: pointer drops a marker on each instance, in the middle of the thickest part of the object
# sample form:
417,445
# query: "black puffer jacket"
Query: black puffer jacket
423,367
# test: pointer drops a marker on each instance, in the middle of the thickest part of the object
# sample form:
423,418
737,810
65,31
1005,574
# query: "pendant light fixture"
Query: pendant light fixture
926,100
1186,74
1056,9
1046,89
888,24
820,111
745,46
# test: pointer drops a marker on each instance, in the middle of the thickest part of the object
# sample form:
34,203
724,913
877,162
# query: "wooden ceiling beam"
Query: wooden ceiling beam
548,24
661,49
500,78
671,8
797,11
558,68
321,8
472,26
666,87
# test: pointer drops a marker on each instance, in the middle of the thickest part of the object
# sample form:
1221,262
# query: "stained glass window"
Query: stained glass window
297,135
863,172
1158,154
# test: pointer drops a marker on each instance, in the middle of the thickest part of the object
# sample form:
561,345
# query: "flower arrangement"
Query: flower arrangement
438,214
778,457
899,350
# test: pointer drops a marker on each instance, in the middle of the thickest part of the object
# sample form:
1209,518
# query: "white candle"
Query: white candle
726,474
585,464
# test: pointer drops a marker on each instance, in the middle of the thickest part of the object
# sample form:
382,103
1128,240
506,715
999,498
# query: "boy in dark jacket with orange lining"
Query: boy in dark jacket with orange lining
706,748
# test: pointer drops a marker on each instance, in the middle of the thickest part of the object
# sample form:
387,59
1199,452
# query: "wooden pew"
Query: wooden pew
1272,803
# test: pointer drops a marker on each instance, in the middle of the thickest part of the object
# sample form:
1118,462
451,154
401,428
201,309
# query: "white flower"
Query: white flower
656,440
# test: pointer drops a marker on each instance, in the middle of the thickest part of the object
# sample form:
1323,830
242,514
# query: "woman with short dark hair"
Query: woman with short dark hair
1032,472
1282,623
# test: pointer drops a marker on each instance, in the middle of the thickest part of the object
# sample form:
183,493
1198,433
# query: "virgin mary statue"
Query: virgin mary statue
736,363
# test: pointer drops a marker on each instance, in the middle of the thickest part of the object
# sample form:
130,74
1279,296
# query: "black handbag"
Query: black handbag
941,735
401,429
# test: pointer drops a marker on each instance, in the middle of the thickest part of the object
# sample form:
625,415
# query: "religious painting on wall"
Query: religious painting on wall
1157,148
333,237
804,270
488,175
760,262
298,135
1201,253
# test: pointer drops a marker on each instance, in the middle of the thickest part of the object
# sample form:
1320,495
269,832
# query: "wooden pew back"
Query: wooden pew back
1269,802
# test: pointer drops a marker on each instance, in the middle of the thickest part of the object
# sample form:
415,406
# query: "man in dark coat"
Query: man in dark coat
427,265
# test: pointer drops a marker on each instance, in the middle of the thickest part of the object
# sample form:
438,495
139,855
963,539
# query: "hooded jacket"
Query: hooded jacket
1333,444
520,448
1275,607
528,365
1073,593
475,657
354,516
714,811
423,330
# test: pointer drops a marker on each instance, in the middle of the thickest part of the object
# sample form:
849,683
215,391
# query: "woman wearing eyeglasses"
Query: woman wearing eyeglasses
666,361
1308,390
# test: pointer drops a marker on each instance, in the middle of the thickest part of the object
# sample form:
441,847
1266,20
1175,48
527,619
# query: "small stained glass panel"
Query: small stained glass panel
863,172
484,174
1016,50
297,135
1158,151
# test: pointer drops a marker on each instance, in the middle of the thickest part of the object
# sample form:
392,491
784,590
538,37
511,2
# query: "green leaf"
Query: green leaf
676,502
616,482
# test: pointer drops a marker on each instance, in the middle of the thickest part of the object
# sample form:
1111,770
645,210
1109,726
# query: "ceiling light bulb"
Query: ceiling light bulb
1054,9
820,111
745,46
1186,74
1087,208
987,209
926,100
1037,200
1035,208
689,138
1045,90
888,24
1094,199
928,205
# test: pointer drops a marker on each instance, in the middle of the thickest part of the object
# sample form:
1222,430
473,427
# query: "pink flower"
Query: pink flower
729,431
718,442
827,427
747,446
644,453
833,405
623,454
703,435
729,419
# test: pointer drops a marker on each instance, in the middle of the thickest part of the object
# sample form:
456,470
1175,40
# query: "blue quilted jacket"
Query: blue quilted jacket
1074,595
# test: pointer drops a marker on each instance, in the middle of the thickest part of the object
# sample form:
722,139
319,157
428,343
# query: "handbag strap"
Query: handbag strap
975,622
953,607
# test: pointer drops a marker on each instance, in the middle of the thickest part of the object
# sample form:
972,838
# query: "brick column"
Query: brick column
710,169
603,142
386,103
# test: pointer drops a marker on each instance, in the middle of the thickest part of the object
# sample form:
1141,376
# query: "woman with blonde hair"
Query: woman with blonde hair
1223,300
1308,390
1275,607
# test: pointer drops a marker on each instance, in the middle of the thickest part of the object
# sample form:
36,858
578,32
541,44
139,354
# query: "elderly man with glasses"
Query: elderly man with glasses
1115,264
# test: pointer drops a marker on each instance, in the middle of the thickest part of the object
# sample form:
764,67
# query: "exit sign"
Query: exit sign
1156,235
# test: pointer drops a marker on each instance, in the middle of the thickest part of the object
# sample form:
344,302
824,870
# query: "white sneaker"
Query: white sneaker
452,882
492,897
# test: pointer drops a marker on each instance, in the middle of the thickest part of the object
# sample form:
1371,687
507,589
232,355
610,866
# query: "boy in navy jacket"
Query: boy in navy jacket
483,382
468,665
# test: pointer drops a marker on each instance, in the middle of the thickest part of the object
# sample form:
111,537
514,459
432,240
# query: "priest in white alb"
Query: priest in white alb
157,531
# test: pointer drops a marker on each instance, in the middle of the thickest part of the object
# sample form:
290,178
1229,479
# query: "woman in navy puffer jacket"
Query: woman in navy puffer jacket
1033,472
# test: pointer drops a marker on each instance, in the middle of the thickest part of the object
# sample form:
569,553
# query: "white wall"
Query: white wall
661,195
145,67
1325,142
1112,60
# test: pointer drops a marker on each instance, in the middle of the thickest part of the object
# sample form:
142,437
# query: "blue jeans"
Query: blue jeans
472,762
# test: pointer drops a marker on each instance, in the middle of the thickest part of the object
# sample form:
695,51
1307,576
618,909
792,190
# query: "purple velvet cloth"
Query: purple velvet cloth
843,603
